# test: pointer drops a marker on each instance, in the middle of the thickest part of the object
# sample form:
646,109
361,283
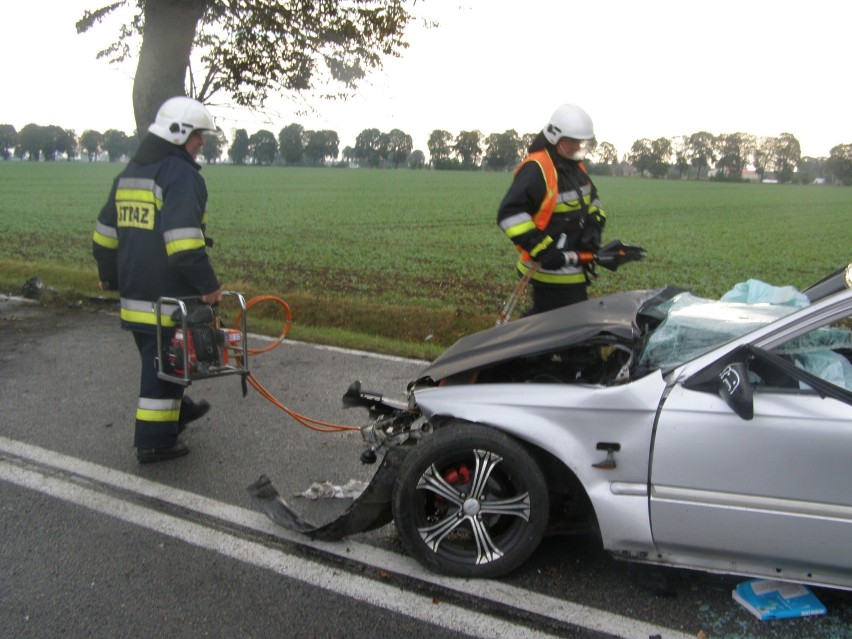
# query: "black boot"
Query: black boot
190,411
150,455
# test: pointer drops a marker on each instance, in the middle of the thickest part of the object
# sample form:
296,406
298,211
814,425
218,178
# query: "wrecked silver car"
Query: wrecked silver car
705,434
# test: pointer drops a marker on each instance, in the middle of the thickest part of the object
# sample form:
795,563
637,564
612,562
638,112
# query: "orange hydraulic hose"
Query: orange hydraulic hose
288,320
308,422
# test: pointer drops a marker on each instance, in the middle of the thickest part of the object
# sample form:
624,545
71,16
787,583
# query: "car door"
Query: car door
763,476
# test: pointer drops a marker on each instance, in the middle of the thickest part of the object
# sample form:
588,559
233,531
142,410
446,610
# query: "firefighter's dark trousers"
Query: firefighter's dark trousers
546,298
158,410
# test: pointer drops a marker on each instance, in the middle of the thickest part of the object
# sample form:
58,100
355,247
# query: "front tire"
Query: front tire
470,501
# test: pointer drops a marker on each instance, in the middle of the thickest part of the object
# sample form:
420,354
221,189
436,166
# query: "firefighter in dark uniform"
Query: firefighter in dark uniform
552,214
149,242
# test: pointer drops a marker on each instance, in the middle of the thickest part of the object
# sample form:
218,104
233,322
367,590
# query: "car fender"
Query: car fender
574,423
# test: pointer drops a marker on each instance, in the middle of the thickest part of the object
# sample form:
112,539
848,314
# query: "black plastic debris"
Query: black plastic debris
32,288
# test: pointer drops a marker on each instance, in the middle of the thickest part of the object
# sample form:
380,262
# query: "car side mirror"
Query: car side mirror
735,389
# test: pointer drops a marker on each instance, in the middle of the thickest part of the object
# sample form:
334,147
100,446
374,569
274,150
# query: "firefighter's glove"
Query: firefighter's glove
553,259
550,258
591,237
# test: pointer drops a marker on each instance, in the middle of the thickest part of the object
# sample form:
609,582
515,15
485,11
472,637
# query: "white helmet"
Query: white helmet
179,117
569,121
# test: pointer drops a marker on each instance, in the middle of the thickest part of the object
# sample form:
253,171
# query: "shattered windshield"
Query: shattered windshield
695,325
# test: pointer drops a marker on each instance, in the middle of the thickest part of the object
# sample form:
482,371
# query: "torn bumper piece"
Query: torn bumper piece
371,510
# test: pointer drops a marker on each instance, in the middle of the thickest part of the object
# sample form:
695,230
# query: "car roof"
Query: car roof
839,280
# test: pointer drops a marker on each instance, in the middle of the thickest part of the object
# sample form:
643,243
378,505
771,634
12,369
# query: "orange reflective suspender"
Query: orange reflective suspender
541,218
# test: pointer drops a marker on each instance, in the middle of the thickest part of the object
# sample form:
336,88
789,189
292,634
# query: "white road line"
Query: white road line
375,593
379,594
350,351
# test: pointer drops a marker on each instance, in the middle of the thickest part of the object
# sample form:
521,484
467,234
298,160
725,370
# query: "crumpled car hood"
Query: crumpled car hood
617,315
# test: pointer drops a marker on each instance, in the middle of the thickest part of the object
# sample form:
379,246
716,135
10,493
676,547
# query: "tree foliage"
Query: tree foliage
321,146
370,148
680,151
468,147
788,152
701,150
728,156
291,143
62,141
439,145
399,147
117,144
527,141
249,48
36,142
214,143
417,160
605,153
239,150
29,142
839,163
641,155
504,150
811,169
764,150
652,156
90,143
734,152
263,147
8,140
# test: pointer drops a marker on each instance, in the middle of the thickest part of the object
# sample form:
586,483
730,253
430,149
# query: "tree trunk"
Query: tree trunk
164,56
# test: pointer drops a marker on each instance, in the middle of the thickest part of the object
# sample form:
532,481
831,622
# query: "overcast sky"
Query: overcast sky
658,68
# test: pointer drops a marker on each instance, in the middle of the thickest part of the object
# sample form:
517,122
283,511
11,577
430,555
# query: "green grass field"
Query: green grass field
383,259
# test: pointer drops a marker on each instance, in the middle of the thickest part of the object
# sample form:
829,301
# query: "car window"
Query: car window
825,352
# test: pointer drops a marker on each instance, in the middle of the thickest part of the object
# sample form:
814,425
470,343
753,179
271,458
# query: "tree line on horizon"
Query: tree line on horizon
701,155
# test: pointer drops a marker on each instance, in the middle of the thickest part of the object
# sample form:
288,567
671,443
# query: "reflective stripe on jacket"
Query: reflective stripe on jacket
145,312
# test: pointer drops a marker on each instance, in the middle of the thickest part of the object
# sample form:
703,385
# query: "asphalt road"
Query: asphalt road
95,545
